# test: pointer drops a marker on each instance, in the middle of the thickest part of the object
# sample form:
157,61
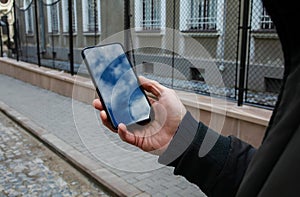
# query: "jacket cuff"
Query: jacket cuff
182,139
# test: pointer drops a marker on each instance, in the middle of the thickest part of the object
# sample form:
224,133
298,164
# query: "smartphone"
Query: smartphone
117,85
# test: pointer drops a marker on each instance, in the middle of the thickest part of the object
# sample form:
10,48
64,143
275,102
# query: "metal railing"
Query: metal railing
250,63
202,23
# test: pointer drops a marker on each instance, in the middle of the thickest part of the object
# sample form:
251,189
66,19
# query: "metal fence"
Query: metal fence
239,37
212,47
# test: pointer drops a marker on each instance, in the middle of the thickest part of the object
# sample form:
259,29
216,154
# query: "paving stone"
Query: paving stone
56,114
42,173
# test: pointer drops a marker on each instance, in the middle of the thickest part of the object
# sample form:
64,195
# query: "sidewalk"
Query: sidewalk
77,126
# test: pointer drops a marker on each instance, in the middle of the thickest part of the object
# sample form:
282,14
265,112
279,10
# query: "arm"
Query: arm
176,137
218,173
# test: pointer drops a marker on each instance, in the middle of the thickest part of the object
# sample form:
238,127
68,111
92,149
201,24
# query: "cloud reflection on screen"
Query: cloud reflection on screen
117,83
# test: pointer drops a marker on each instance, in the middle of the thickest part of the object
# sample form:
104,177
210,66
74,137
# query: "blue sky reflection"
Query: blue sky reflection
118,85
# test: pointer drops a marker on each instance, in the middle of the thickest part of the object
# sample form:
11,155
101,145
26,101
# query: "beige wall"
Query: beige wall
248,123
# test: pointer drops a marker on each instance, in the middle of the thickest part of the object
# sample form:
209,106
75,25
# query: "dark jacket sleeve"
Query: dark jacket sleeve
220,171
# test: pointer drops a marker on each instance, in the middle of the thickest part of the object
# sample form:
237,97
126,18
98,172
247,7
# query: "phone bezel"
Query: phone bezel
109,115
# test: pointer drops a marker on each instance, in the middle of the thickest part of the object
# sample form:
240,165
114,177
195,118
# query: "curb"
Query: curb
111,182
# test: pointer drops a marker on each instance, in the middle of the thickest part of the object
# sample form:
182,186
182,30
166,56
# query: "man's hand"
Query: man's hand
156,135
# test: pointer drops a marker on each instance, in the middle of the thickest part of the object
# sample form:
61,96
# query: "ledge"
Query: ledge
151,33
265,35
91,34
247,122
247,113
50,79
203,34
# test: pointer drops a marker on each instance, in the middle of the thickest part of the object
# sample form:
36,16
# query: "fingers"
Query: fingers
152,86
97,104
103,117
151,100
125,135
106,122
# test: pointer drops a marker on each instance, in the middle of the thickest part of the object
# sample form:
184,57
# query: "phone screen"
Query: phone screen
117,85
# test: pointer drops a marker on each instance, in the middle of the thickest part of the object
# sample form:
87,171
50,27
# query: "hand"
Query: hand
156,135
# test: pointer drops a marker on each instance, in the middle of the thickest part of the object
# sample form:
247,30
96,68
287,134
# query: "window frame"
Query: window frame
50,15
29,23
85,17
260,18
208,19
266,22
65,15
152,22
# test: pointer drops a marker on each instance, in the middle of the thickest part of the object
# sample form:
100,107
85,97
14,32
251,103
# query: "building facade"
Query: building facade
7,20
214,24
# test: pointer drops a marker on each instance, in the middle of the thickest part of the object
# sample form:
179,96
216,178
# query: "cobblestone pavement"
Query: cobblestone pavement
28,168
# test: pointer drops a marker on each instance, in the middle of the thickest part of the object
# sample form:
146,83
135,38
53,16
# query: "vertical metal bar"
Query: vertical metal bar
243,56
237,53
127,34
1,46
5,18
71,56
16,31
126,24
248,51
52,39
173,41
42,26
37,33
95,21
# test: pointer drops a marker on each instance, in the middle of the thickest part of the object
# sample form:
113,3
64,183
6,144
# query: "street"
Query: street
29,168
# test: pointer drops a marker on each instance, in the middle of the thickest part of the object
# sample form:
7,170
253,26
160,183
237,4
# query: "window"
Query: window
197,74
91,15
53,18
260,18
203,15
273,84
148,67
28,17
66,16
198,15
149,14
265,21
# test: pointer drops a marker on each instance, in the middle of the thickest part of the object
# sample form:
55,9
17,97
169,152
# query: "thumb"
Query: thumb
151,86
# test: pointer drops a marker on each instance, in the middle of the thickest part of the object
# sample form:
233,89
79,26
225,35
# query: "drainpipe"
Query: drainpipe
222,66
